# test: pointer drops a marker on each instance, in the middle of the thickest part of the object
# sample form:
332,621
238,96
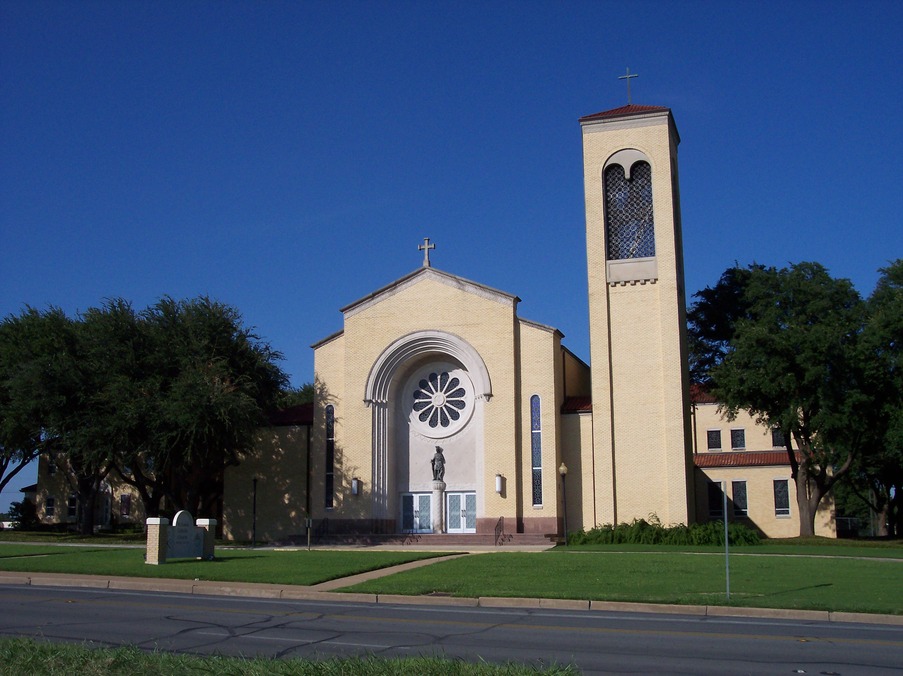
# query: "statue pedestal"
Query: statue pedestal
437,508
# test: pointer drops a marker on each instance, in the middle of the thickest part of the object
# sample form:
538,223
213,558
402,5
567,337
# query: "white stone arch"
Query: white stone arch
626,158
391,363
422,343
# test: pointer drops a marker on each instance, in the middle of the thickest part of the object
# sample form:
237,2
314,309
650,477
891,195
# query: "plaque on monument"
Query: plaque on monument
185,540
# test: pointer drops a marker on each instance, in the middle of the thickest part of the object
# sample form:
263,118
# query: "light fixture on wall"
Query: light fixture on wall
355,486
498,483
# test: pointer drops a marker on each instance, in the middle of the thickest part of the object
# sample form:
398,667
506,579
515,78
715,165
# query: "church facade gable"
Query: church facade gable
435,363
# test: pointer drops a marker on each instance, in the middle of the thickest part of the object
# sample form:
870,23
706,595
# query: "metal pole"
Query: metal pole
254,516
564,496
727,560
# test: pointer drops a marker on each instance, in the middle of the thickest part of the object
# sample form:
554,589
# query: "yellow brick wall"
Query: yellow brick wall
760,500
707,417
485,320
637,344
577,376
279,463
60,485
329,384
577,445
541,364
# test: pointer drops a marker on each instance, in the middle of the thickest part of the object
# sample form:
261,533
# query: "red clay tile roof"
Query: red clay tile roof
741,459
624,111
577,405
302,414
699,394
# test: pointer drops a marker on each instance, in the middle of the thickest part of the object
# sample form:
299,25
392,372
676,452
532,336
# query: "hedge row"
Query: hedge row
642,532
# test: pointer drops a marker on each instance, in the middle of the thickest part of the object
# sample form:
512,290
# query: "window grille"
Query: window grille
781,497
738,439
716,501
738,491
628,212
713,438
777,439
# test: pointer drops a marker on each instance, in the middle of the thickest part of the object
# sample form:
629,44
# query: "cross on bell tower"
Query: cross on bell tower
425,248
629,76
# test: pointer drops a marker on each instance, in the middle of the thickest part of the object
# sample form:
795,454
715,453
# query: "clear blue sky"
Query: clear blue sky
288,157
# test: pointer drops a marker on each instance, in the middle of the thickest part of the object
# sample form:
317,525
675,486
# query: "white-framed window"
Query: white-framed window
738,439
536,449
50,506
738,497
716,501
781,498
72,507
713,440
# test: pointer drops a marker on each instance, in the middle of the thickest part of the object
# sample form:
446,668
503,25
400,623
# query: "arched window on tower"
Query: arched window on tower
628,210
629,220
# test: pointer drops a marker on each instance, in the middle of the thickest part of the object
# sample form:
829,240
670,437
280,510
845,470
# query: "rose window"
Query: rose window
442,401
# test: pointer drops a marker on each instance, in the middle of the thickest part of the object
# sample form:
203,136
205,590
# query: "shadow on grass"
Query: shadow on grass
45,554
798,589
236,559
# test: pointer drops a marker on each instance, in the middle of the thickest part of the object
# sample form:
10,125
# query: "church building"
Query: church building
440,410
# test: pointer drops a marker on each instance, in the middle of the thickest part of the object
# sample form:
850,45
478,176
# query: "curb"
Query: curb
296,593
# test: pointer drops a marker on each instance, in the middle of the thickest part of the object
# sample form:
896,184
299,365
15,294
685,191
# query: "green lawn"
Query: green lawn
852,578
802,582
36,658
277,567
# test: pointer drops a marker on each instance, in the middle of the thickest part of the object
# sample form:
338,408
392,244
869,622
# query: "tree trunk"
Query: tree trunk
87,498
808,496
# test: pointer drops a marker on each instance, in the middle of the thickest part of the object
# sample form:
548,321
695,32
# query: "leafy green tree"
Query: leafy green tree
293,396
214,382
712,321
24,514
47,388
878,477
21,420
166,398
787,351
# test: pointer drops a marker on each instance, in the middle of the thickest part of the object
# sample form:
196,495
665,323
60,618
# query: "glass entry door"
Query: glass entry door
461,509
415,513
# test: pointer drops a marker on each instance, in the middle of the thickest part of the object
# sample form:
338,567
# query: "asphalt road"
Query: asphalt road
597,642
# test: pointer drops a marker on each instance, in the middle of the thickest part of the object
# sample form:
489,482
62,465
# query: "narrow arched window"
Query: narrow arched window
329,483
536,448
629,227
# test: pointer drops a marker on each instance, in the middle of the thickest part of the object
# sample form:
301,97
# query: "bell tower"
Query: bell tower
637,305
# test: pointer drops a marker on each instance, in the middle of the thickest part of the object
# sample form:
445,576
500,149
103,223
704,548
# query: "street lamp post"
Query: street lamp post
563,471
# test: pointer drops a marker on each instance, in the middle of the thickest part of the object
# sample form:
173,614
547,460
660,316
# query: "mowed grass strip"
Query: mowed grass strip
36,658
232,565
814,583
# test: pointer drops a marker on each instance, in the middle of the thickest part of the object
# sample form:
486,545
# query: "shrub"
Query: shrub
652,532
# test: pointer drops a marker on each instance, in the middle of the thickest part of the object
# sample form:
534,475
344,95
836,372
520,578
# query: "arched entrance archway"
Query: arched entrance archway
426,389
